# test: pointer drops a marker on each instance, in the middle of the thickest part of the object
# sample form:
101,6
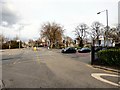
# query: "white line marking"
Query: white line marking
1,84
14,63
119,82
23,62
97,76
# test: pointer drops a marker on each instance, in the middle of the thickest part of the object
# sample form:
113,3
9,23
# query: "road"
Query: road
45,68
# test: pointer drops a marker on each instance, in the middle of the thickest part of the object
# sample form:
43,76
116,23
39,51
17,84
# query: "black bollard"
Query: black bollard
92,54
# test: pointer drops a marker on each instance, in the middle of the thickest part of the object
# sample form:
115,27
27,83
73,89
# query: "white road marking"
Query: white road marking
16,61
98,76
23,62
119,82
1,84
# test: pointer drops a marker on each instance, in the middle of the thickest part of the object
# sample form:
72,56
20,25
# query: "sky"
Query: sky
119,12
31,14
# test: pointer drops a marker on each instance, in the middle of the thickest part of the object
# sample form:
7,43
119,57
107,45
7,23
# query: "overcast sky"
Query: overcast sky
69,13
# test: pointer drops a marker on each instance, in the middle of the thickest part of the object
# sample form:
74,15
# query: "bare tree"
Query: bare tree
16,38
68,40
2,38
31,42
96,31
53,32
80,31
114,34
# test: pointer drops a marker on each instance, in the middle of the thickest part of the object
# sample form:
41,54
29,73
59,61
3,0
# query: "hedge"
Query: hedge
14,44
109,57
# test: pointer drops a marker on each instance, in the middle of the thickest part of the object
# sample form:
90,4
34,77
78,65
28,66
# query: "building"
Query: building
101,42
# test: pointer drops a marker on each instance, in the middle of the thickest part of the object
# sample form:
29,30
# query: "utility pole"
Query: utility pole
21,27
106,23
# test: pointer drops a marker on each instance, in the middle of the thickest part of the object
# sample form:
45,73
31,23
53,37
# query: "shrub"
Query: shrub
13,45
109,57
77,47
87,46
5,46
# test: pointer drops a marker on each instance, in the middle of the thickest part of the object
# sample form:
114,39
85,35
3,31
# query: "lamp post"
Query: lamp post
106,21
21,27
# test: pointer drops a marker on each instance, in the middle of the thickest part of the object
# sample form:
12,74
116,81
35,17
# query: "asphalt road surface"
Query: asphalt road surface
45,68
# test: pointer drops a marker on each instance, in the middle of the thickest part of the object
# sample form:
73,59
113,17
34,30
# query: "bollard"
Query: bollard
48,48
92,54
35,48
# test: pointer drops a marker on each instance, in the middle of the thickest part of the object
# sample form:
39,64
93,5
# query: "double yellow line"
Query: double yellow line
38,58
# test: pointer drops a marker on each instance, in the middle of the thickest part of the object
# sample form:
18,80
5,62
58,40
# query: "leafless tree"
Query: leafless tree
97,30
16,38
114,34
53,32
3,38
81,31
31,42
68,40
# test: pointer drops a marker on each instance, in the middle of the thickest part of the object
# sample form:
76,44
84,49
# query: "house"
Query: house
101,42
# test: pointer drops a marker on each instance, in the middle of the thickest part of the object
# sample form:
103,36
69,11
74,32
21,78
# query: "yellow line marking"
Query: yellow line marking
38,59
89,65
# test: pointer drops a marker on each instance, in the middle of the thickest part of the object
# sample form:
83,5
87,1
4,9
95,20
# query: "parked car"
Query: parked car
69,50
100,48
84,50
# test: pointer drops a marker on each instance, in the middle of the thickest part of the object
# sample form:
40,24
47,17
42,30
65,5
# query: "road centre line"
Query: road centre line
38,58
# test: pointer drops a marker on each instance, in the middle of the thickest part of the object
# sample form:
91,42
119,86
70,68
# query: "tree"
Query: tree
114,33
68,40
3,41
118,33
80,31
16,38
31,42
53,32
2,38
96,31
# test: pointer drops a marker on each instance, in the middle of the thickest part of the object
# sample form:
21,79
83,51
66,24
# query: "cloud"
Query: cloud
8,13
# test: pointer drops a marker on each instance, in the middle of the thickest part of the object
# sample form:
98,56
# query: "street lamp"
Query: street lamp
106,20
21,27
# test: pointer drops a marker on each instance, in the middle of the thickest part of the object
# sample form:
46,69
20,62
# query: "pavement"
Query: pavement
107,68
45,68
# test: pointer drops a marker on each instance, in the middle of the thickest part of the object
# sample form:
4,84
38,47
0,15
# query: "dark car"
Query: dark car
100,48
69,50
84,50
